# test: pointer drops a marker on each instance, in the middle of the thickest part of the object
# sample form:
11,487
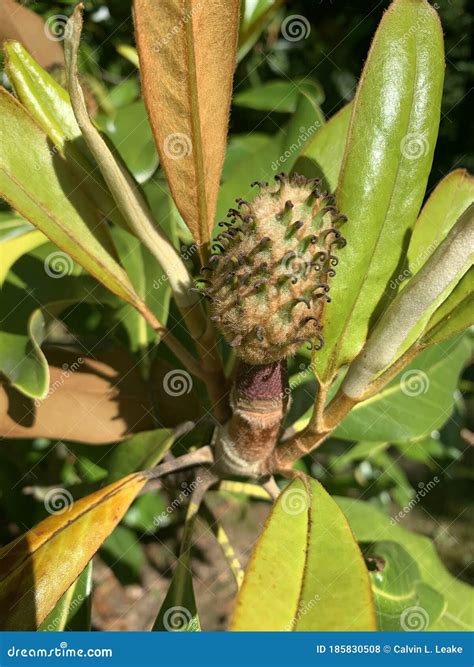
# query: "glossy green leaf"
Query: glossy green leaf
370,524
419,400
28,308
41,94
306,571
455,314
403,601
14,247
279,95
73,611
21,358
278,154
130,133
38,183
322,157
388,156
48,102
451,197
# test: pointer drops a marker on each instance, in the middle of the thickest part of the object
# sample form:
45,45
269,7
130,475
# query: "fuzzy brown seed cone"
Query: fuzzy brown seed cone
269,279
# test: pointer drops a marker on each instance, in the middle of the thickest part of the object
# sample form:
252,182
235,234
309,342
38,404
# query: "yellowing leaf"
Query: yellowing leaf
306,572
39,567
15,247
187,56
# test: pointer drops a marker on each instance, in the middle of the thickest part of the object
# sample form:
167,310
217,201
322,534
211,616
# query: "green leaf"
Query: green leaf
322,157
21,358
15,246
416,402
360,451
178,613
49,104
39,184
146,513
41,94
451,197
241,147
131,135
278,154
73,611
279,95
403,601
150,283
455,314
372,525
24,324
306,571
141,451
387,161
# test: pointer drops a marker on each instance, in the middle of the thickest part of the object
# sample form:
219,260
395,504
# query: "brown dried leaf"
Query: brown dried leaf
39,38
95,402
187,57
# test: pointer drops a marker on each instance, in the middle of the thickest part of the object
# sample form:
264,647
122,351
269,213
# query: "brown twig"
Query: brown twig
200,457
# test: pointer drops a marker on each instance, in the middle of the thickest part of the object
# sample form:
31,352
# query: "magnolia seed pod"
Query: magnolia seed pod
269,277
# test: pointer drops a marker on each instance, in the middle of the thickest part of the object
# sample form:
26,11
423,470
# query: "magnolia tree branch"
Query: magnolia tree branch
201,457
